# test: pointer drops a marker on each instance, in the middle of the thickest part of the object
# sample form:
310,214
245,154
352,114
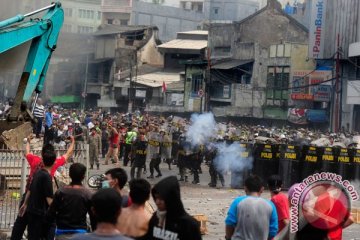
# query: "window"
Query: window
280,50
123,22
110,21
216,10
68,12
196,84
277,84
85,29
89,14
67,28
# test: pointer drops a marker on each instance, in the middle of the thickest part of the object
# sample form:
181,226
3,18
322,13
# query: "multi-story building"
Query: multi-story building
252,63
81,16
116,12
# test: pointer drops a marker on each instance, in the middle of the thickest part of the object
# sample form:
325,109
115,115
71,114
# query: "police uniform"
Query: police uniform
129,138
153,153
181,158
94,142
139,154
166,147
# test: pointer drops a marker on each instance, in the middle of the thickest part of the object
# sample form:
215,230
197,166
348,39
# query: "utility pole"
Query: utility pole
86,80
337,114
131,88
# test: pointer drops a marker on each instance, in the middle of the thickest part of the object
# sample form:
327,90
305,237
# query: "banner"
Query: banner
303,87
317,29
297,115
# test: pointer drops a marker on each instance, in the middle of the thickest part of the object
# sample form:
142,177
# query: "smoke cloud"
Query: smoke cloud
229,158
202,129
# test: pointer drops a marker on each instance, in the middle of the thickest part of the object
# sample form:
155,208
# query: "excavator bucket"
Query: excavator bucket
13,134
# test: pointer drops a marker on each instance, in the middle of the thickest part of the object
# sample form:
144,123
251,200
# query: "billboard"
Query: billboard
303,88
317,29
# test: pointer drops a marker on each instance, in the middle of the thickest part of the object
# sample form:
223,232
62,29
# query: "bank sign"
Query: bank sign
317,29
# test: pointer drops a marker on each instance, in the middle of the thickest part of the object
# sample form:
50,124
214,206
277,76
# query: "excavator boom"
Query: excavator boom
43,34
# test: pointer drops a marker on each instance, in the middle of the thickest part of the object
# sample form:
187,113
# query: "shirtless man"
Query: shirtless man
134,220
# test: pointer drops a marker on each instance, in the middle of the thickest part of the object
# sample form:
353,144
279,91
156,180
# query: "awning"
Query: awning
65,99
317,116
230,64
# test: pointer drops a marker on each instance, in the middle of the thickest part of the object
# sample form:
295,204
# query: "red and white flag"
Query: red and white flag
163,89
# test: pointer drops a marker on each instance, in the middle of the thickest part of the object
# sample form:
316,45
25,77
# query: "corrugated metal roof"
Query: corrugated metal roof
185,44
230,64
156,79
196,32
109,29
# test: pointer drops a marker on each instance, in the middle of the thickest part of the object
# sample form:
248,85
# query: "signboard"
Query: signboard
140,93
317,29
303,87
177,99
226,91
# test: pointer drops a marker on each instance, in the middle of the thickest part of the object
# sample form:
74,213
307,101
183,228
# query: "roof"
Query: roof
196,32
291,19
230,64
110,29
156,79
185,44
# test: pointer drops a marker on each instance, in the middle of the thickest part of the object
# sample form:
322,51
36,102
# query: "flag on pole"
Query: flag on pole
163,89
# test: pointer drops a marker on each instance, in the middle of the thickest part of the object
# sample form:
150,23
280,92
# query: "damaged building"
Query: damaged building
252,62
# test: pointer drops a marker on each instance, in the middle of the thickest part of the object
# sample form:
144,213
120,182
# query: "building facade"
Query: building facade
252,61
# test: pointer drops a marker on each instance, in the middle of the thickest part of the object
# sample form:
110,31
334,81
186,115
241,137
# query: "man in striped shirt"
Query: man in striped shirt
39,112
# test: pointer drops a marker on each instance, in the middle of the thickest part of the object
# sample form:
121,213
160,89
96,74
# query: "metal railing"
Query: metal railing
14,171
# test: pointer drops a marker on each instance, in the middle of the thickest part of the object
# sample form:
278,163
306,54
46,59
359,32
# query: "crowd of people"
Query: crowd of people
113,213
118,215
135,139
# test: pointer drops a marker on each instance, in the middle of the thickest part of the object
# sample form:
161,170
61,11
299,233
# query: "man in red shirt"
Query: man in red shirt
36,164
280,201
114,145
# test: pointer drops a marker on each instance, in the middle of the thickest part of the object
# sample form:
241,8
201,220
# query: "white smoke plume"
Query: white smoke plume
202,129
229,158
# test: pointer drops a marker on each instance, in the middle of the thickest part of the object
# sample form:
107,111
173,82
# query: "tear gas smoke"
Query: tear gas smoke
202,129
229,158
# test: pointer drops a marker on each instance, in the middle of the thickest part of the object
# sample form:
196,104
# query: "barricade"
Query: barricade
238,177
266,160
345,168
356,164
310,161
289,163
328,160
14,171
